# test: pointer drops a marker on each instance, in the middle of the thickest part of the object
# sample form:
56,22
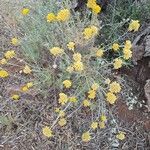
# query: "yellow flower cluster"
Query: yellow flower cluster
62,122
15,41
3,61
95,8
3,74
99,53
90,32
15,97
127,54
71,46
63,99
27,86
103,119
86,137
86,103
25,11
27,69
77,57
67,83
77,64
9,54
118,63
92,91
56,51
120,136
134,25
62,15
113,89
127,50
111,98
115,47
50,17
91,94
47,131
94,125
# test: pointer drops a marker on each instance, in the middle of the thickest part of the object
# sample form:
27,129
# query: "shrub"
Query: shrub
59,50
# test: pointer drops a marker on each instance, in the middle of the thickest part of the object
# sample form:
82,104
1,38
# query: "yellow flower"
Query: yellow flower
115,87
118,63
134,25
50,17
102,125
103,118
25,11
127,56
3,74
3,61
70,69
15,97
95,86
99,53
63,15
62,122
120,136
128,44
73,99
9,54
27,69
61,113
94,125
111,98
78,66
127,53
63,98
56,51
47,131
91,3
77,57
71,46
30,84
96,9
15,41
67,83
24,88
94,30
115,46
86,137
88,33
86,103
91,94
107,81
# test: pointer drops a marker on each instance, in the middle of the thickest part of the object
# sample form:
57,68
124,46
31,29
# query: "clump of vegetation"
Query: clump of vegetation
60,55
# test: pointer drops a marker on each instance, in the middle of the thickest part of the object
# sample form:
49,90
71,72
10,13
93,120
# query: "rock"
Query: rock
141,46
137,53
147,92
147,46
